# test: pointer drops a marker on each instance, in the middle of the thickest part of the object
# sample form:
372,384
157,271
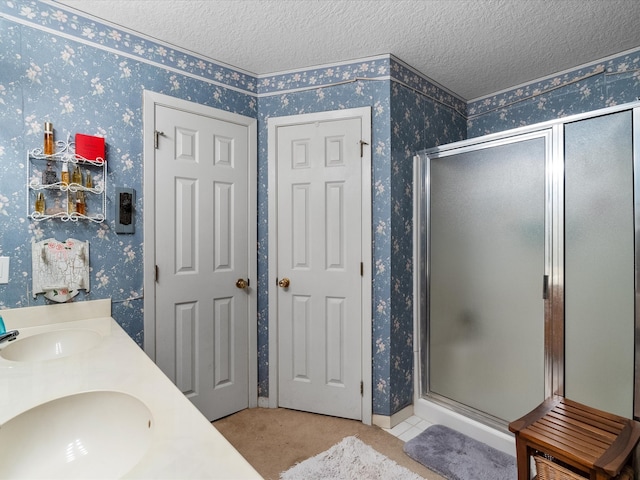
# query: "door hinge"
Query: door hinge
156,136
156,273
361,388
362,269
362,144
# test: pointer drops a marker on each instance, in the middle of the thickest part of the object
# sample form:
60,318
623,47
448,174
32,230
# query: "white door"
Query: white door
319,266
201,244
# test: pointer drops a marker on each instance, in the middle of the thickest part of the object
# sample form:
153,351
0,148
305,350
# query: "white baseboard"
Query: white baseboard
388,422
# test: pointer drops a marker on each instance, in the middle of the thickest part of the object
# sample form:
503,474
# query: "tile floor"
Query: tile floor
408,429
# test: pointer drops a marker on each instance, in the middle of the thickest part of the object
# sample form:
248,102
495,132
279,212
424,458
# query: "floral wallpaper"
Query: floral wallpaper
88,77
416,120
611,82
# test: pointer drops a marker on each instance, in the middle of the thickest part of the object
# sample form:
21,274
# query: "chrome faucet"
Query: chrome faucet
9,336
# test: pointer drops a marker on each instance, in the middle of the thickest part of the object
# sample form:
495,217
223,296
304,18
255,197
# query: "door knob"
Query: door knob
284,283
242,283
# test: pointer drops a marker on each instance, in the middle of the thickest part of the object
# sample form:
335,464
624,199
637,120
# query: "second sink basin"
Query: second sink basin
100,434
51,345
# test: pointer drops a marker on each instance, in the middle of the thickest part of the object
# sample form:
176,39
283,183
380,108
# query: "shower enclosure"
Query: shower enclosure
527,280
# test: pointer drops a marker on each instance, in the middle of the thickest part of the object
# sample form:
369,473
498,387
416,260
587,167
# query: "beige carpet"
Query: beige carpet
273,440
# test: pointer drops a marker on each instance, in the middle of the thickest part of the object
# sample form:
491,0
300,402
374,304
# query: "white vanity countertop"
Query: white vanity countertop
185,445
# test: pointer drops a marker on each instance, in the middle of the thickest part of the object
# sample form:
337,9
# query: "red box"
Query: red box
90,147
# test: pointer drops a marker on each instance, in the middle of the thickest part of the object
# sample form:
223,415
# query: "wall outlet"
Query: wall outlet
4,269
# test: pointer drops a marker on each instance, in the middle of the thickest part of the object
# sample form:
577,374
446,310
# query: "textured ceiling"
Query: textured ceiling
471,47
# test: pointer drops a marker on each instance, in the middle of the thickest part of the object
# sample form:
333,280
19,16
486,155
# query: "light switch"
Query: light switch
4,269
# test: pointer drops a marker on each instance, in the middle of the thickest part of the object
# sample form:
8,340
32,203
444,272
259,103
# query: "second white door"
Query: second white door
319,181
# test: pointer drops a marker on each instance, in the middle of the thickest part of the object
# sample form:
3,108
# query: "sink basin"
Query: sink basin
101,434
51,345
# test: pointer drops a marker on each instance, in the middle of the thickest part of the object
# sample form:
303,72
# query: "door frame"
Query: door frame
150,101
364,113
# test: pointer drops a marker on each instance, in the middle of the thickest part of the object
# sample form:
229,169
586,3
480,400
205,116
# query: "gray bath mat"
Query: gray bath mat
458,457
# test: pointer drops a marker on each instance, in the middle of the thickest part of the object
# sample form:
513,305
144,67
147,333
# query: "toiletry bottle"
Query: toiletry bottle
71,203
77,175
49,176
40,203
81,207
3,329
48,138
64,174
88,182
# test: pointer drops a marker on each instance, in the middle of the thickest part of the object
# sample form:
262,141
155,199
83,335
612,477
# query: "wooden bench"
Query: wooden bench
594,442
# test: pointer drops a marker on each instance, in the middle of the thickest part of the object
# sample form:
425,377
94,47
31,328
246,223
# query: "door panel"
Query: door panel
185,248
223,200
185,335
319,238
223,342
599,263
487,261
202,243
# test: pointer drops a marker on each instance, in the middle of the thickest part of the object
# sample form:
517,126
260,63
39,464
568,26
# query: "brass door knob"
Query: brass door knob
242,283
284,283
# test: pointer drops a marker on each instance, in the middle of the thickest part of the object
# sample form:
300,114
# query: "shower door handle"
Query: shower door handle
545,287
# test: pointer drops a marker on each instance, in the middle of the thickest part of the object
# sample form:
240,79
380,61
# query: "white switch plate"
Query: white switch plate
4,269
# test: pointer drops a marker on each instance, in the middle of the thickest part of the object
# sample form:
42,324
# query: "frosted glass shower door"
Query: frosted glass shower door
487,262
599,263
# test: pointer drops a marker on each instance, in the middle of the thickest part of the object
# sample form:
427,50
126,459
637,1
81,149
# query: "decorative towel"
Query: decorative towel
60,269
